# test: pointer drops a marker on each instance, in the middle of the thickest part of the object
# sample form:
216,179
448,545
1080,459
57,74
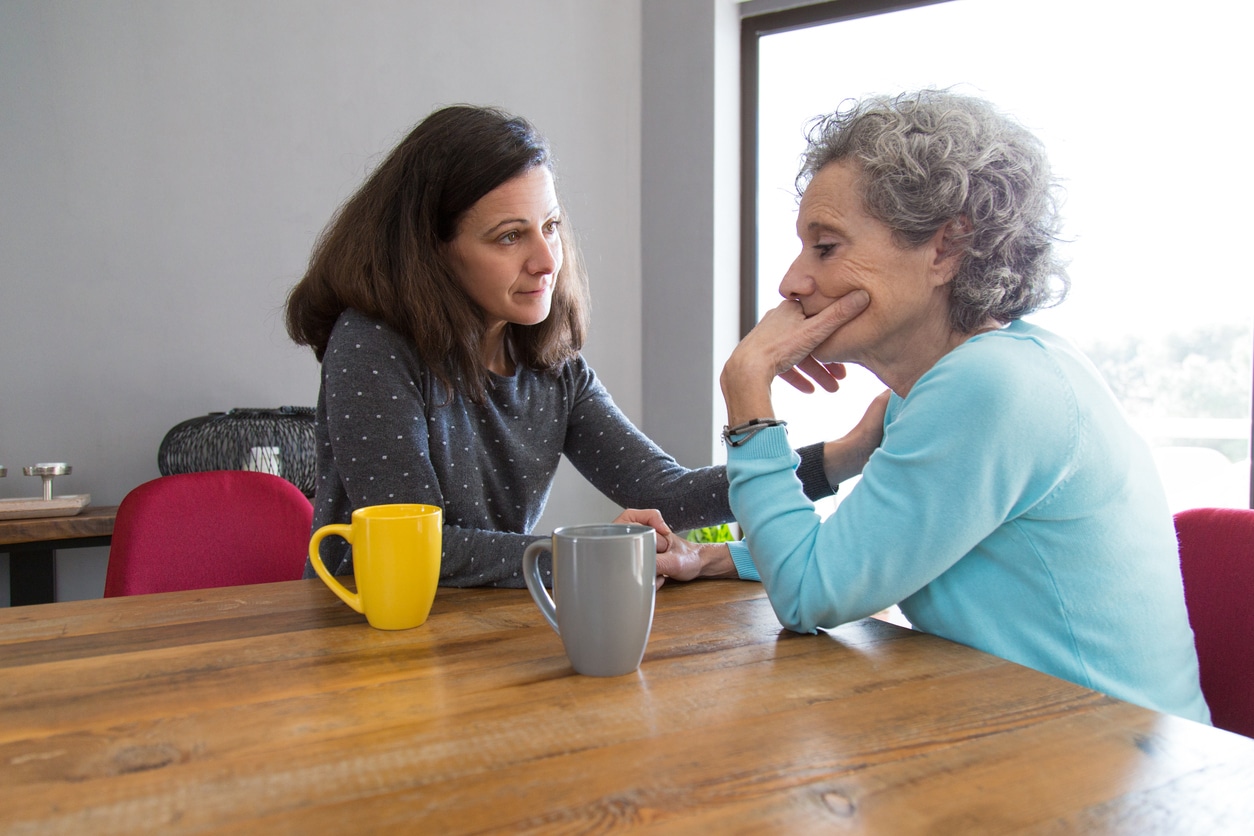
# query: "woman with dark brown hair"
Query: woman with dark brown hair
448,306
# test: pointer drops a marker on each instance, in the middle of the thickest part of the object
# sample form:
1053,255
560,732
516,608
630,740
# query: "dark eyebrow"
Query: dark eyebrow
554,212
505,222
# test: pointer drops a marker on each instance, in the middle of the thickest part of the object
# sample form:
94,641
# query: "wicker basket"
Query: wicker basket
278,441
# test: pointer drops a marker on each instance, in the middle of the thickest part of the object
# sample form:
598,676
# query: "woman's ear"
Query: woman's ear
950,243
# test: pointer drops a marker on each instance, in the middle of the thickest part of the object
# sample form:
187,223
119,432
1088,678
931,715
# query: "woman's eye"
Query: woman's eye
551,227
824,249
510,237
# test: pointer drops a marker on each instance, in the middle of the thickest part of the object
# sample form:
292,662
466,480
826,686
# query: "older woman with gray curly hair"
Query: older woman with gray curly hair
1004,503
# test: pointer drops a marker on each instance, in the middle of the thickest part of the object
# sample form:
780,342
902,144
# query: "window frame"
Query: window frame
753,26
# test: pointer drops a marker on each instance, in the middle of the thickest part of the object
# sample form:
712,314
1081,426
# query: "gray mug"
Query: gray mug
603,580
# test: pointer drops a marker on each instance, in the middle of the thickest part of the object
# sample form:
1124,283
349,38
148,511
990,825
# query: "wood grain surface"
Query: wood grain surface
276,709
92,521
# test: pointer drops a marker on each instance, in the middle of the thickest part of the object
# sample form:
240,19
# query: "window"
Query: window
1135,103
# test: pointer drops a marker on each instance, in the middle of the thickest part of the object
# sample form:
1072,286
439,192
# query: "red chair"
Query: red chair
1217,562
215,528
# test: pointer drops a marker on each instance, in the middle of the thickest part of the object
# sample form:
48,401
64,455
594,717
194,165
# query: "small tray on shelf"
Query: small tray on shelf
33,508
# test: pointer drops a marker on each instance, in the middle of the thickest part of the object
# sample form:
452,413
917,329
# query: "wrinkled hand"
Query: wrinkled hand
682,561
782,342
678,558
653,519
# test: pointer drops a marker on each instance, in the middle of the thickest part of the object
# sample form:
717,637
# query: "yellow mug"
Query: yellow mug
396,562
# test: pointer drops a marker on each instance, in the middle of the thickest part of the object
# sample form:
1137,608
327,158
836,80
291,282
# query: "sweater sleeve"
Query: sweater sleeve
949,471
628,467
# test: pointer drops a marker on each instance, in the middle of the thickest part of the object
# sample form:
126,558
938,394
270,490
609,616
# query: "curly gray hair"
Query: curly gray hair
930,157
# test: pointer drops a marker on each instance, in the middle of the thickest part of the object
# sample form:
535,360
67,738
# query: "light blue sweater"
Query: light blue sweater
1010,507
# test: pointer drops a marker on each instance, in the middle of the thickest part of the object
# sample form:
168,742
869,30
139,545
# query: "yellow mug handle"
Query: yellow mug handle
345,531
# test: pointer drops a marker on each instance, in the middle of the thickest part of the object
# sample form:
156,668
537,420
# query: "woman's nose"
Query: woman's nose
796,283
545,256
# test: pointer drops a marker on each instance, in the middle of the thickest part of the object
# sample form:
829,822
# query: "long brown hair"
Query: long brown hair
383,253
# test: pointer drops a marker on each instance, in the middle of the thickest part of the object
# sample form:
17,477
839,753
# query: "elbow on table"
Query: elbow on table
794,615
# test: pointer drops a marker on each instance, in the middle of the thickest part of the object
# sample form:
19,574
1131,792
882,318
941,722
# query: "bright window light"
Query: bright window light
1139,107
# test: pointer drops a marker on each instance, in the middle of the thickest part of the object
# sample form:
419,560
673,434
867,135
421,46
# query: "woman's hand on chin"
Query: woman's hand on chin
785,337
782,345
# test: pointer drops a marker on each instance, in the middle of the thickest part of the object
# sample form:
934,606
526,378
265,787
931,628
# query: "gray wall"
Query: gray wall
165,168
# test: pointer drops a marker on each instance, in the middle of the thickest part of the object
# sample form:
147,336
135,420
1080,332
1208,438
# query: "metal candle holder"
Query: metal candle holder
46,471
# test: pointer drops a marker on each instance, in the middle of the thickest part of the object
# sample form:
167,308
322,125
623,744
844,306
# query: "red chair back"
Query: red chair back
1217,562
200,530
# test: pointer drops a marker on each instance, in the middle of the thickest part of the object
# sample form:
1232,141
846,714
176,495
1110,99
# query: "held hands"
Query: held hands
678,558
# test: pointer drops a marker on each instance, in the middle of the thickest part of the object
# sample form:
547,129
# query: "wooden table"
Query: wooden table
275,709
32,546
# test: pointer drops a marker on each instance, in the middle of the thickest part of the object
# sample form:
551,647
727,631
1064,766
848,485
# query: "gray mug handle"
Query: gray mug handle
531,574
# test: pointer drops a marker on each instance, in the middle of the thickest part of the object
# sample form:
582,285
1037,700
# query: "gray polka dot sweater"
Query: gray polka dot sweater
382,438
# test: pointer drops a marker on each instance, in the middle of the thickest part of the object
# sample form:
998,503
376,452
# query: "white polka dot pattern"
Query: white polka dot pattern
491,465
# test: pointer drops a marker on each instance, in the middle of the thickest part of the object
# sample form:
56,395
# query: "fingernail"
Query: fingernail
858,299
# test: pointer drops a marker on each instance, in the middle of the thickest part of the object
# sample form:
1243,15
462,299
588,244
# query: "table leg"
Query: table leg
32,576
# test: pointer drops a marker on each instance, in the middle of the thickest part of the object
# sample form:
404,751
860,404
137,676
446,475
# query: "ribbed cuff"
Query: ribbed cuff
766,444
744,563
813,477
